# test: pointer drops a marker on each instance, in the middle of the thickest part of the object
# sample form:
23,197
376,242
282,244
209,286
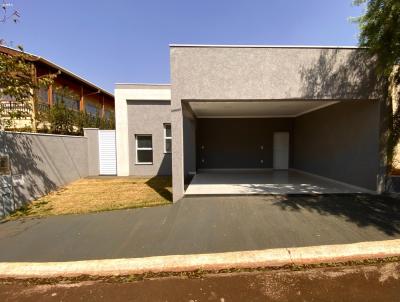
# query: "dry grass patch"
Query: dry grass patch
102,194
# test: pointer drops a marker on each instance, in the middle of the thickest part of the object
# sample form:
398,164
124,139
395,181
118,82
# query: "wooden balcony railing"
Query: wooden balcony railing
42,107
9,107
21,108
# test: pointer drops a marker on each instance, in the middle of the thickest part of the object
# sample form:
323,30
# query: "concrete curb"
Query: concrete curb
179,263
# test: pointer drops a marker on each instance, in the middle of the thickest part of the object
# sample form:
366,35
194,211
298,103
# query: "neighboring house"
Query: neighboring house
254,108
84,96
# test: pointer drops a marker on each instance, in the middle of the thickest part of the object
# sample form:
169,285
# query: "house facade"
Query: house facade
314,110
72,90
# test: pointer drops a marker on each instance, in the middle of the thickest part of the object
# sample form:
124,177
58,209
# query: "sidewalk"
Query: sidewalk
357,284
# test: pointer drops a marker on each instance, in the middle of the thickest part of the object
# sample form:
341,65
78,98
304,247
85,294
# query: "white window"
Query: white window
144,149
167,138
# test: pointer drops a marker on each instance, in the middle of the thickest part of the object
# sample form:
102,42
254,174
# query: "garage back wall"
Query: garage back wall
238,143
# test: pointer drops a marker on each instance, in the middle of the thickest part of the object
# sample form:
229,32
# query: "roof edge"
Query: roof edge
145,84
62,69
268,46
142,86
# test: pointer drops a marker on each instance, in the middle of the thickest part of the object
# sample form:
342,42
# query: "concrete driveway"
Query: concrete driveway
266,182
203,225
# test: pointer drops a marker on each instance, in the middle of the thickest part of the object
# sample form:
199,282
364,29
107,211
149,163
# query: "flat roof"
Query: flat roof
266,46
142,85
62,69
145,84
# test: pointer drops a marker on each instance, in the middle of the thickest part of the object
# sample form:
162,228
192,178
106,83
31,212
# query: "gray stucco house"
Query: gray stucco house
256,119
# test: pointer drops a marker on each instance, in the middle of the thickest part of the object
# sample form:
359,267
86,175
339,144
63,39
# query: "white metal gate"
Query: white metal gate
107,152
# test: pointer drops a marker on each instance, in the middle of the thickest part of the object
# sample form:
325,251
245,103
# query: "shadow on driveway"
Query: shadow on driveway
382,212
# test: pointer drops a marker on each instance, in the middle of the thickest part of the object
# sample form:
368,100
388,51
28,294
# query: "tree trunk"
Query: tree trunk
394,95
34,99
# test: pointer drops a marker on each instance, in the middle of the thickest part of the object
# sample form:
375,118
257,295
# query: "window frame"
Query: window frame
141,148
167,138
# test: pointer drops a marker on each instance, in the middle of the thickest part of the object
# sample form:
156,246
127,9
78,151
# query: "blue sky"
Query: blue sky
115,41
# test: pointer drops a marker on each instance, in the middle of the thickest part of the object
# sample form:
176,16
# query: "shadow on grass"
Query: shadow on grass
160,184
365,210
32,209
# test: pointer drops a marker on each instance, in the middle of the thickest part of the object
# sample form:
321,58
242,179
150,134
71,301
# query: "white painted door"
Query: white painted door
281,150
107,152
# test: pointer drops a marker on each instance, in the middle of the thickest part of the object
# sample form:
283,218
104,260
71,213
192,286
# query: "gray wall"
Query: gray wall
149,117
340,142
93,150
235,143
261,73
222,73
189,141
45,162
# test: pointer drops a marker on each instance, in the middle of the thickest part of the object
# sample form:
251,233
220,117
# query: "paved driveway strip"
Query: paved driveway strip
203,225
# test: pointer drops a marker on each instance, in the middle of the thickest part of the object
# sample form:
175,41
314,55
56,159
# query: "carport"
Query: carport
284,147
241,114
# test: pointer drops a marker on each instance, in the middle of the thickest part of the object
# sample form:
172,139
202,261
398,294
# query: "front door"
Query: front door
281,150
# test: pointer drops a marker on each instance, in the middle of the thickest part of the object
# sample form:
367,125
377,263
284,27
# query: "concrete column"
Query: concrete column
384,134
122,135
178,176
92,135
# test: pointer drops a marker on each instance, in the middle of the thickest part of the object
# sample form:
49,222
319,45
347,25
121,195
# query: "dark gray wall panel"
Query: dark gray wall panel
340,142
235,143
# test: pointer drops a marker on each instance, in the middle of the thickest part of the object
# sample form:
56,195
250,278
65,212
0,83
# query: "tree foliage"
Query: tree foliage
61,118
19,83
17,78
380,32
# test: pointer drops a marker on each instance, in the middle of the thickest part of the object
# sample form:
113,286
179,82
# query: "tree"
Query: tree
20,84
18,80
380,34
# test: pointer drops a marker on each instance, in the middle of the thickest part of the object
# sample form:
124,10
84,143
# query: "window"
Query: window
91,109
64,96
71,103
144,149
167,138
60,98
43,95
108,114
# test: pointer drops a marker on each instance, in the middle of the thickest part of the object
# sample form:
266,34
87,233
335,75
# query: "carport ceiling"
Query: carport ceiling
241,109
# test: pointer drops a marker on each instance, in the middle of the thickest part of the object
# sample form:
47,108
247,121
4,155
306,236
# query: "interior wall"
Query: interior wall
239,143
340,142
